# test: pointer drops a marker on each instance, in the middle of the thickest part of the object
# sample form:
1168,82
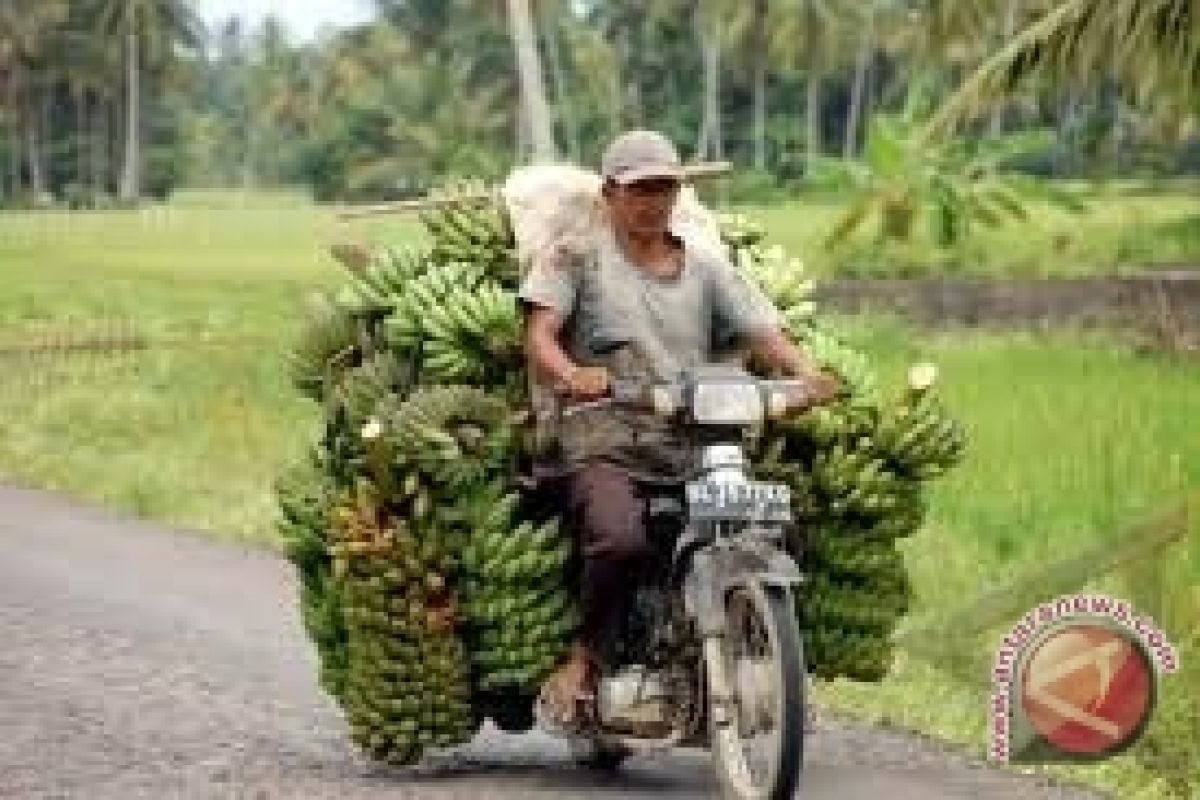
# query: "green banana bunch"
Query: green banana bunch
436,591
474,231
364,387
739,232
323,615
378,286
304,497
520,616
856,481
326,345
848,613
848,559
848,364
472,335
920,439
846,653
782,278
408,325
422,446
408,682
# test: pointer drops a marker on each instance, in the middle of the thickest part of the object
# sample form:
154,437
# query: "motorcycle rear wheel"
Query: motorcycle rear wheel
763,669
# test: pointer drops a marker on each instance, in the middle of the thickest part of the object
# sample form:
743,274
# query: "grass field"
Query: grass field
1072,435
1117,233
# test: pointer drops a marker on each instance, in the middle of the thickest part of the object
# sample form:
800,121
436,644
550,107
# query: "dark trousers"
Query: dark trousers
608,515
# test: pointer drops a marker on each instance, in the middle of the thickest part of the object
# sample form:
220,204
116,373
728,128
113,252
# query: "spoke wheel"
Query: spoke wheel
759,745
599,756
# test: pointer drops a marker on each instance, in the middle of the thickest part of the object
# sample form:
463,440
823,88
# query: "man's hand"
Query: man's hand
585,383
774,348
822,387
815,388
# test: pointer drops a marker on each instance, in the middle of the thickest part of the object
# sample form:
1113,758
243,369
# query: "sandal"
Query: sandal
564,711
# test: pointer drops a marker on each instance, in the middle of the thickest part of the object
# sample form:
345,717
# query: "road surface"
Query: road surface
137,661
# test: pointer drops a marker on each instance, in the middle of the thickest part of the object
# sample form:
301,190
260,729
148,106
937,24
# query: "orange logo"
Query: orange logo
1087,688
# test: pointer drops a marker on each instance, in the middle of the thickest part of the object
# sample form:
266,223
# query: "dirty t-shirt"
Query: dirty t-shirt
642,326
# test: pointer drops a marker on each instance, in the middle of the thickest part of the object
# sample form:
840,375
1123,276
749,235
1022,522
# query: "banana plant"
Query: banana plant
953,185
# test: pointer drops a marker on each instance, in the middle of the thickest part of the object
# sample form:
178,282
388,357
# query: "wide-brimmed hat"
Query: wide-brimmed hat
641,155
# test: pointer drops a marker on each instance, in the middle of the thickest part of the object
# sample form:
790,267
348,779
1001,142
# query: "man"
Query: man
643,303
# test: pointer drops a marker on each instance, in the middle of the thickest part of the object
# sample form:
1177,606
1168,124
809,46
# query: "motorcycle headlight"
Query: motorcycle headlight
727,403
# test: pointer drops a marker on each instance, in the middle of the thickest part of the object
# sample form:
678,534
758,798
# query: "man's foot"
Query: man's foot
568,697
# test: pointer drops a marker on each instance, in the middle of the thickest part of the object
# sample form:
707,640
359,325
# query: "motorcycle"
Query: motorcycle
709,651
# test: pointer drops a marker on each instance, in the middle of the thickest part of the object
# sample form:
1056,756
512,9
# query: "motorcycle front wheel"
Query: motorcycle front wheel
758,738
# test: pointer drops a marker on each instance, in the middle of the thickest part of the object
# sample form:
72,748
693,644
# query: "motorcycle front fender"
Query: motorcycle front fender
716,571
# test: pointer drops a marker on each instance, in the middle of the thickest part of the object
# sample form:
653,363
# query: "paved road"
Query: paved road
143,662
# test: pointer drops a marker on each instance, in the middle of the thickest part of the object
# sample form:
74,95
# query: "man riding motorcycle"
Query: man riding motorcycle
642,303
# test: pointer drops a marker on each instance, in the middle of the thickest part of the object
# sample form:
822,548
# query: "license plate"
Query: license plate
754,501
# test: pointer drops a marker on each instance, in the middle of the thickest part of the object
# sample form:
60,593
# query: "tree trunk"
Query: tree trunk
14,162
558,78
248,178
521,133
12,98
130,187
812,46
79,98
533,90
759,45
628,90
1068,133
858,91
708,142
33,147
616,99
813,147
96,139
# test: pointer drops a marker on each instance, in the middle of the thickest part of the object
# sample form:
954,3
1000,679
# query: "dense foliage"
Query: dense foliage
102,98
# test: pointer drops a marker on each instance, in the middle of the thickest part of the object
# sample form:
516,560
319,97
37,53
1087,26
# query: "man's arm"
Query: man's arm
772,347
741,308
548,295
545,354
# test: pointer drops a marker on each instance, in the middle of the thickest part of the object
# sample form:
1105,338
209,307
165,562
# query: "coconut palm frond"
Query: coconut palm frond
1151,46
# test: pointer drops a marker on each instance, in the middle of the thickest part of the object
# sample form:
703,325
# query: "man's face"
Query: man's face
642,207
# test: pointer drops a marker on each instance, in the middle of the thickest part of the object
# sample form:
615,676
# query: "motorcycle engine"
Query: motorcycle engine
640,702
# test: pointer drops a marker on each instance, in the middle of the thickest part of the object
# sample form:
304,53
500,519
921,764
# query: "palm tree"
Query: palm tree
83,65
26,32
551,24
812,35
858,89
709,23
813,16
1151,46
533,89
760,54
149,29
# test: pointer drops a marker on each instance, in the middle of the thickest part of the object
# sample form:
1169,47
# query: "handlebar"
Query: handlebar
666,399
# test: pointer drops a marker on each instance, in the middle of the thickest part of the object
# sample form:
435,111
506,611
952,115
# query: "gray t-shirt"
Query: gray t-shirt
669,324
642,326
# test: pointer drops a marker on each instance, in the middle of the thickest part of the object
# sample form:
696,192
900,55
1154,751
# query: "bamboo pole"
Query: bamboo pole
701,171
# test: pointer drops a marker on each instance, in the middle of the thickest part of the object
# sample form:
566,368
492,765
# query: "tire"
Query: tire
781,668
511,715
599,756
